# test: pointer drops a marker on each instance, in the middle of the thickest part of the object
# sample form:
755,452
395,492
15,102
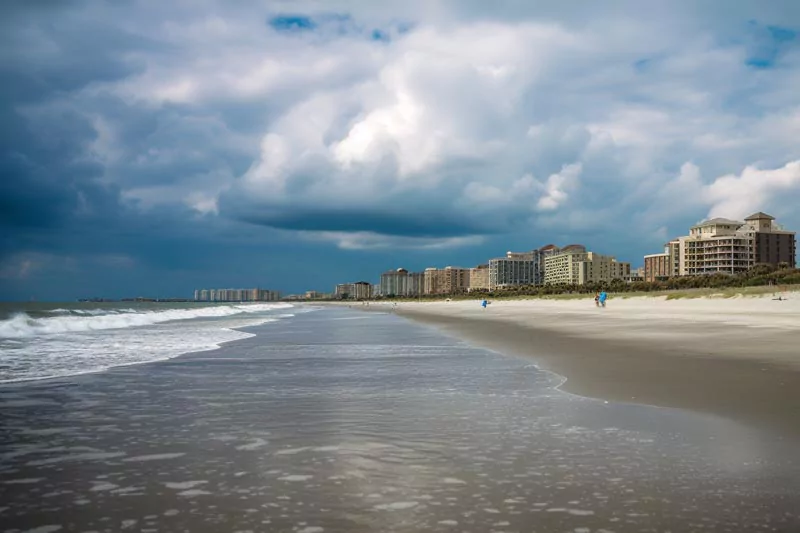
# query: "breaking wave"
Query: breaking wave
22,325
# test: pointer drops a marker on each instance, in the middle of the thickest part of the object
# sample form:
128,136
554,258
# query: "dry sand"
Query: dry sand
735,357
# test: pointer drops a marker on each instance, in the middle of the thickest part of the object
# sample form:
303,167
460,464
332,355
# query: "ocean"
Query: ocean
313,420
39,340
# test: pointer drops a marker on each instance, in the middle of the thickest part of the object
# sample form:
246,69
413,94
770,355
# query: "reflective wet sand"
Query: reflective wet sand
342,421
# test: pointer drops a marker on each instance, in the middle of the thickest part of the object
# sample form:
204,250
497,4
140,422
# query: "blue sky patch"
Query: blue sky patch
292,23
768,43
380,35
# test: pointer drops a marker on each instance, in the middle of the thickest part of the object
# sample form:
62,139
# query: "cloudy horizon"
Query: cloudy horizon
153,148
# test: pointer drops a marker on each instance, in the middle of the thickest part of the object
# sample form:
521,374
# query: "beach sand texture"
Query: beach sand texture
734,357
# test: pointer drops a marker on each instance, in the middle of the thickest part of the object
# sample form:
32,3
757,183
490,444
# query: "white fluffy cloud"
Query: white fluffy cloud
736,196
494,121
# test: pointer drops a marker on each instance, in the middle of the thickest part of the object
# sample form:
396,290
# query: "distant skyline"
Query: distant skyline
152,148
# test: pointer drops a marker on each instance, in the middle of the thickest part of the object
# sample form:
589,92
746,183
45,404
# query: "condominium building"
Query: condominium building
360,290
659,267
454,279
515,269
573,265
520,268
563,266
543,253
342,291
479,278
721,245
236,295
432,281
636,275
773,244
401,282
447,280
598,267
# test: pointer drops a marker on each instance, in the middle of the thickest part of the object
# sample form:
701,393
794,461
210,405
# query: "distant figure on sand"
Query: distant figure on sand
484,303
597,299
603,297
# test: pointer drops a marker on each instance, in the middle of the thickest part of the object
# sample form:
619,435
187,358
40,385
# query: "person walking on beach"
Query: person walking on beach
597,299
603,297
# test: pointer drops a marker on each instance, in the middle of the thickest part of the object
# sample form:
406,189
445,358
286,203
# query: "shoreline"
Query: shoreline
710,360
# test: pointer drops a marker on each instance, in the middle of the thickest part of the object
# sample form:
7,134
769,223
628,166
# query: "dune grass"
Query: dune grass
729,292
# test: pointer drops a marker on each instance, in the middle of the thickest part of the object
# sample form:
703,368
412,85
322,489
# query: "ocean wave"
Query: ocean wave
89,312
22,325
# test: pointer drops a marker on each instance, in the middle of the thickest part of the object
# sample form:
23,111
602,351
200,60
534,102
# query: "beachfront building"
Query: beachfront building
343,291
400,282
479,278
447,280
520,268
659,267
360,290
636,275
722,245
563,267
543,253
515,269
574,265
431,281
773,243
598,267
455,279
236,295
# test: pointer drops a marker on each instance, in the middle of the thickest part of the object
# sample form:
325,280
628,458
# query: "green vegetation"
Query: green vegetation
762,279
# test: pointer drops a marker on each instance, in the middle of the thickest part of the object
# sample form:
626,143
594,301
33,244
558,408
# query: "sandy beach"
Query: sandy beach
734,357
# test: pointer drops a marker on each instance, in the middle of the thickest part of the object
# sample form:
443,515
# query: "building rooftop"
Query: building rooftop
574,248
718,222
760,216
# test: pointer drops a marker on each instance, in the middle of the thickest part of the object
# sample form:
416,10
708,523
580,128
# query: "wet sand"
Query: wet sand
705,356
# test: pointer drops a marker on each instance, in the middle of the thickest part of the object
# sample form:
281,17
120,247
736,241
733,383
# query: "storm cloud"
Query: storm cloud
137,136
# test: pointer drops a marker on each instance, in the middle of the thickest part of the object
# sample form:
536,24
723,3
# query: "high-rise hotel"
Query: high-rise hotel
724,246
236,295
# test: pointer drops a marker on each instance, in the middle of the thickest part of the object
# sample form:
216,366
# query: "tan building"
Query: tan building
598,267
479,278
456,279
727,246
563,267
448,280
432,281
573,265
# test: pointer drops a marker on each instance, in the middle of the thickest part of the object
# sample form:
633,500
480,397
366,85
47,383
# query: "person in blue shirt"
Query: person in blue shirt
603,298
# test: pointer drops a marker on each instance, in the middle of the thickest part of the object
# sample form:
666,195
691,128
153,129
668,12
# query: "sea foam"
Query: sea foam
23,326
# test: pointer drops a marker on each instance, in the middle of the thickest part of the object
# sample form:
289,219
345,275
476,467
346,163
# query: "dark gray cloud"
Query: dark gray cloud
167,143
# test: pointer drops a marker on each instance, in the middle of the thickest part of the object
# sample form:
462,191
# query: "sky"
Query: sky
150,148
